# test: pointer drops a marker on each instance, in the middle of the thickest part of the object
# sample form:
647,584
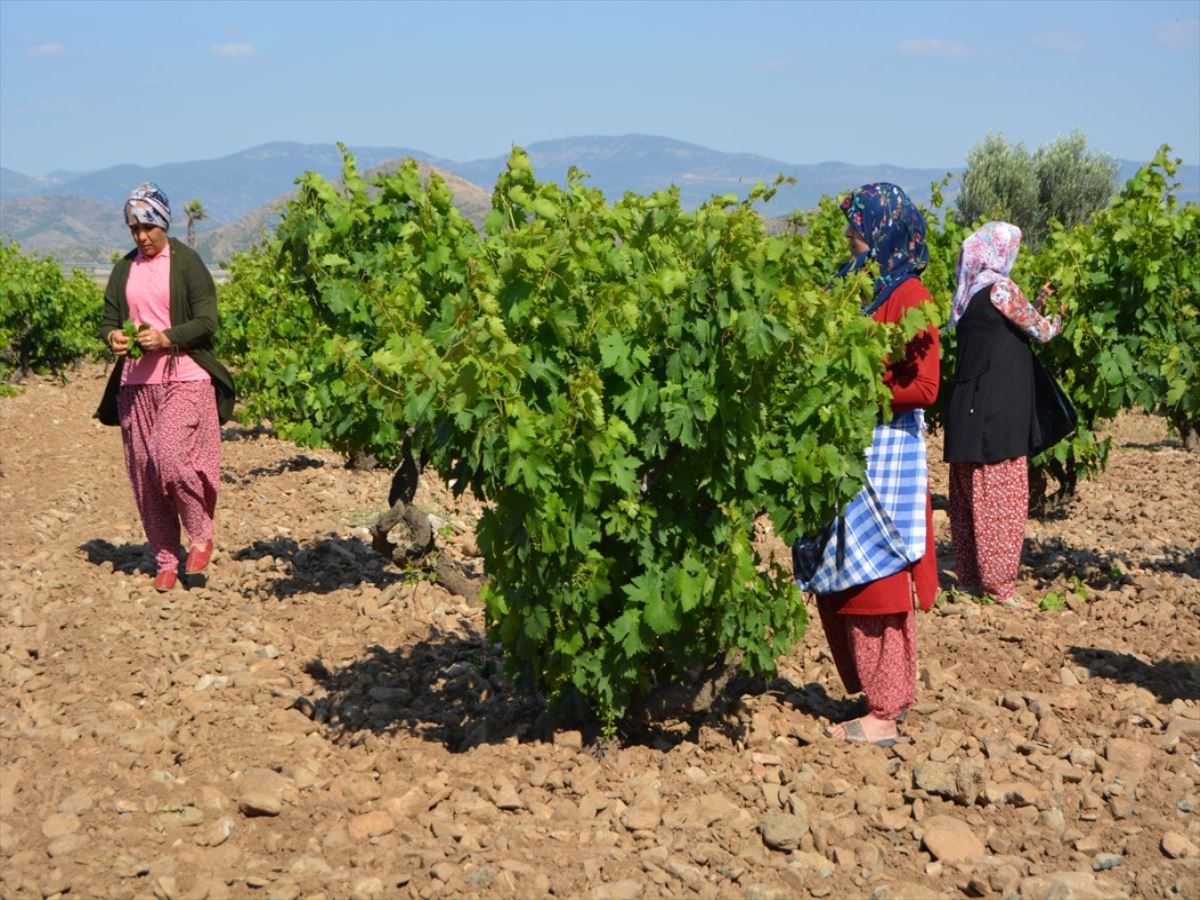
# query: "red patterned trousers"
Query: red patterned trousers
988,506
172,444
874,654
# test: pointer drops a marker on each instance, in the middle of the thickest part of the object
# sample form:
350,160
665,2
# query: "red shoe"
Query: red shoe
164,581
198,557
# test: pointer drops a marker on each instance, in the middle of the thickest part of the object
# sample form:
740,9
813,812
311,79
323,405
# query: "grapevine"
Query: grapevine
1127,287
47,320
629,386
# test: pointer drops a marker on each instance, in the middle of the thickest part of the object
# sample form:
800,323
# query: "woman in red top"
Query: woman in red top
869,620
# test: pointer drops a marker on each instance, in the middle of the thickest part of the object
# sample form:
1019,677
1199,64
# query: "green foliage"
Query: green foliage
674,374
945,232
1052,602
999,183
1128,283
1060,182
822,245
1072,184
131,332
303,315
1056,601
627,385
47,321
944,235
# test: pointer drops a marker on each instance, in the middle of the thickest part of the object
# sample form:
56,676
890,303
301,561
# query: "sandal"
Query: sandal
863,710
854,732
198,557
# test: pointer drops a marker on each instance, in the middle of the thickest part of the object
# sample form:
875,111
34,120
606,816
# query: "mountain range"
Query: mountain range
76,216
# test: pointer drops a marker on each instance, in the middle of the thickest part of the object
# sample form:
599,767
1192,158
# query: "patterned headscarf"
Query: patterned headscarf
986,258
894,230
148,205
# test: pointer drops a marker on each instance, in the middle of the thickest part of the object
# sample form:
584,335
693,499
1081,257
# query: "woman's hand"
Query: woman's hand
149,339
1043,295
118,342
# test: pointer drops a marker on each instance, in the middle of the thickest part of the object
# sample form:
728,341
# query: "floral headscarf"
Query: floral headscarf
986,258
148,205
894,230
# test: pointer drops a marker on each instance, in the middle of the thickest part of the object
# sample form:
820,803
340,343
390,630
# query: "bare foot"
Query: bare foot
866,728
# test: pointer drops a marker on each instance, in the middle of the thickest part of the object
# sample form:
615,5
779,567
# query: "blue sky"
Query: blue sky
88,85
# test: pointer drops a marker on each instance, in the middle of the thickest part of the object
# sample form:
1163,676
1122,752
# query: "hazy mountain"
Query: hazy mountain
240,191
77,230
230,187
14,184
218,246
645,163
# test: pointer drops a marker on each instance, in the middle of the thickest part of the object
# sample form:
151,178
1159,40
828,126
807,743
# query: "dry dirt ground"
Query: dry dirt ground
312,723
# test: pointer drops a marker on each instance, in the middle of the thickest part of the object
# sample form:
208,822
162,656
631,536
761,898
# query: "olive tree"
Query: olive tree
999,183
1059,181
1072,184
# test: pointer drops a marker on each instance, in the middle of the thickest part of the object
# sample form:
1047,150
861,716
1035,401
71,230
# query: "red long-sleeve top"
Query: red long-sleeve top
914,383
914,379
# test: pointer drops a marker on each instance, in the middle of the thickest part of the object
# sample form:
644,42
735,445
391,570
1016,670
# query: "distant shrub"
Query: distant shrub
47,320
1060,181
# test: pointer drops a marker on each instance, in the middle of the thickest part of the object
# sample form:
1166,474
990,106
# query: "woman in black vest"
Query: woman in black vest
990,419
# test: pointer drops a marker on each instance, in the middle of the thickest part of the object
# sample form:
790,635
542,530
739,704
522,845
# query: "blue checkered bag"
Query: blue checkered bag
882,530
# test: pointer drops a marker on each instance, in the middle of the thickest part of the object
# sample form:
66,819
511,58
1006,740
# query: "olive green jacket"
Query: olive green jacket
193,324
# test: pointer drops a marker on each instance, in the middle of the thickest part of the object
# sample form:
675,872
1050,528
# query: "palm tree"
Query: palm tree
194,211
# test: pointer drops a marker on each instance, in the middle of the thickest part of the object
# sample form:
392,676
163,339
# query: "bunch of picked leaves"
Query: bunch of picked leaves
131,331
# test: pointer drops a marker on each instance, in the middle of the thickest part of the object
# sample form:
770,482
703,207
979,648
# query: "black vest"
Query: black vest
990,409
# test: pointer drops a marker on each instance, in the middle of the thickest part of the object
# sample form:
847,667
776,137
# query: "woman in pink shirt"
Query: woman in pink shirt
168,393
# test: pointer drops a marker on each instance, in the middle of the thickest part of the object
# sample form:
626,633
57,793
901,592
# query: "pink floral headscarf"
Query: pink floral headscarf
986,258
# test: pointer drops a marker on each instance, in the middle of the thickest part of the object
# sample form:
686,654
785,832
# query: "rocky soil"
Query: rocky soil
315,723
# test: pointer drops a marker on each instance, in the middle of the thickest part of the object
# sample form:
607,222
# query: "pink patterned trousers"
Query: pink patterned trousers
172,444
874,654
988,506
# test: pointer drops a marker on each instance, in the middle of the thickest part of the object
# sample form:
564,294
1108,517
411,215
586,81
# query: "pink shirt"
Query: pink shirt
148,292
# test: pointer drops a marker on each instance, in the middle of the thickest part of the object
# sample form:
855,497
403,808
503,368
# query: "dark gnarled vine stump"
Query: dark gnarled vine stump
404,536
